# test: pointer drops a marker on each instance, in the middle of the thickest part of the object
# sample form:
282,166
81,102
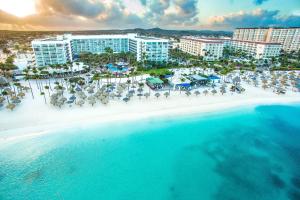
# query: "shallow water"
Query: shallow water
243,154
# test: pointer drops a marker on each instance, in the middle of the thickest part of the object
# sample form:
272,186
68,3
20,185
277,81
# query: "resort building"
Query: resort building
209,48
212,48
66,48
288,37
259,50
52,51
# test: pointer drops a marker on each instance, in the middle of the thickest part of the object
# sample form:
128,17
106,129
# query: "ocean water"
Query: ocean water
245,154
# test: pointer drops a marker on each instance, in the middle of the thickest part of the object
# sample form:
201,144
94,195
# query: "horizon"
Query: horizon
86,15
125,29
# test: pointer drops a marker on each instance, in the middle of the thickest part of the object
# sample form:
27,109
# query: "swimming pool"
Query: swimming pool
116,69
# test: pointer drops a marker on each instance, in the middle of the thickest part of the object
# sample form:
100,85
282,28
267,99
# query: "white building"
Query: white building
288,37
67,48
208,48
259,50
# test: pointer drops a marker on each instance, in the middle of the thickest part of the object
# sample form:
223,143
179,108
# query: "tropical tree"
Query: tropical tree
43,94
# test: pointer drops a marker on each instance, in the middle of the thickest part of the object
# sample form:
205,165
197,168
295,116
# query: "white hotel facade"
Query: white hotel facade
209,48
258,50
289,38
212,48
66,48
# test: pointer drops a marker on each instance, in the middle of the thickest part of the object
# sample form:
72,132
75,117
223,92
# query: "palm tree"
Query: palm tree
47,88
5,94
110,52
43,94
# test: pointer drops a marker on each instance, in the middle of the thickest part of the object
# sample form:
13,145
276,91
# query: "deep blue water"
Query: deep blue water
246,154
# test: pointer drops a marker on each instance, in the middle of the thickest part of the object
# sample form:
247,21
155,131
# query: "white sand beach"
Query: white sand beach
34,117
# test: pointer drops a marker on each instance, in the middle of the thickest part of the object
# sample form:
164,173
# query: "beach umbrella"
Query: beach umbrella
16,101
126,99
223,90
197,93
80,102
78,89
92,102
166,94
21,94
118,95
112,95
188,93
11,106
3,81
157,95
140,90
131,91
147,94
70,102
105,101
72,98
214,91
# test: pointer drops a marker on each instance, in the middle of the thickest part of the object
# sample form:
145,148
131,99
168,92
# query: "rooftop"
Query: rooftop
153,80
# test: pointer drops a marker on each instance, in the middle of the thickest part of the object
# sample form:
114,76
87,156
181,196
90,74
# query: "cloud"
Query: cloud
86,8
170,13
259,2
255,18
73,15
120,14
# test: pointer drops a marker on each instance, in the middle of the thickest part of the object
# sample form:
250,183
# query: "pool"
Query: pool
115,69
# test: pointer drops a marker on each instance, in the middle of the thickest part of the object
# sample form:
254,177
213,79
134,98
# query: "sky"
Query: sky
166,14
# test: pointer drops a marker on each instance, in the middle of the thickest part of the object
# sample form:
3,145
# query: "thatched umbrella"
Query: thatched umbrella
92,101
188,93
126,99
205,92
166,94
147,95
16,101
80,102
197,93
11,106
157,95
222,90
3,81
21,94
214,91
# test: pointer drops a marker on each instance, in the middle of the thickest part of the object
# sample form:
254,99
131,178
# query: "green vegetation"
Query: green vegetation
7,67
156,71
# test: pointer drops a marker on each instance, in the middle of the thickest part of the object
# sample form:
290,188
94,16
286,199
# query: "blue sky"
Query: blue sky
167,14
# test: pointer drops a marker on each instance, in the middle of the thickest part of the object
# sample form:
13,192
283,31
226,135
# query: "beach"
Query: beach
34,117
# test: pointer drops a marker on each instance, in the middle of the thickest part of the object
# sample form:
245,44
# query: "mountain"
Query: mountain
160,32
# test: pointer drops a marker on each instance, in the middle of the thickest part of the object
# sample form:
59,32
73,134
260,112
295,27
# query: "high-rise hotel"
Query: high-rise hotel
66,48
289,38
209,48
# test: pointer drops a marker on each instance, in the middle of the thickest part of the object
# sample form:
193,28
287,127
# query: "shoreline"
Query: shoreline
31,130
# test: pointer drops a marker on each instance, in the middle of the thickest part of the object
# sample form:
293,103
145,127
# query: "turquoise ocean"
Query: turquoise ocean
249,153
